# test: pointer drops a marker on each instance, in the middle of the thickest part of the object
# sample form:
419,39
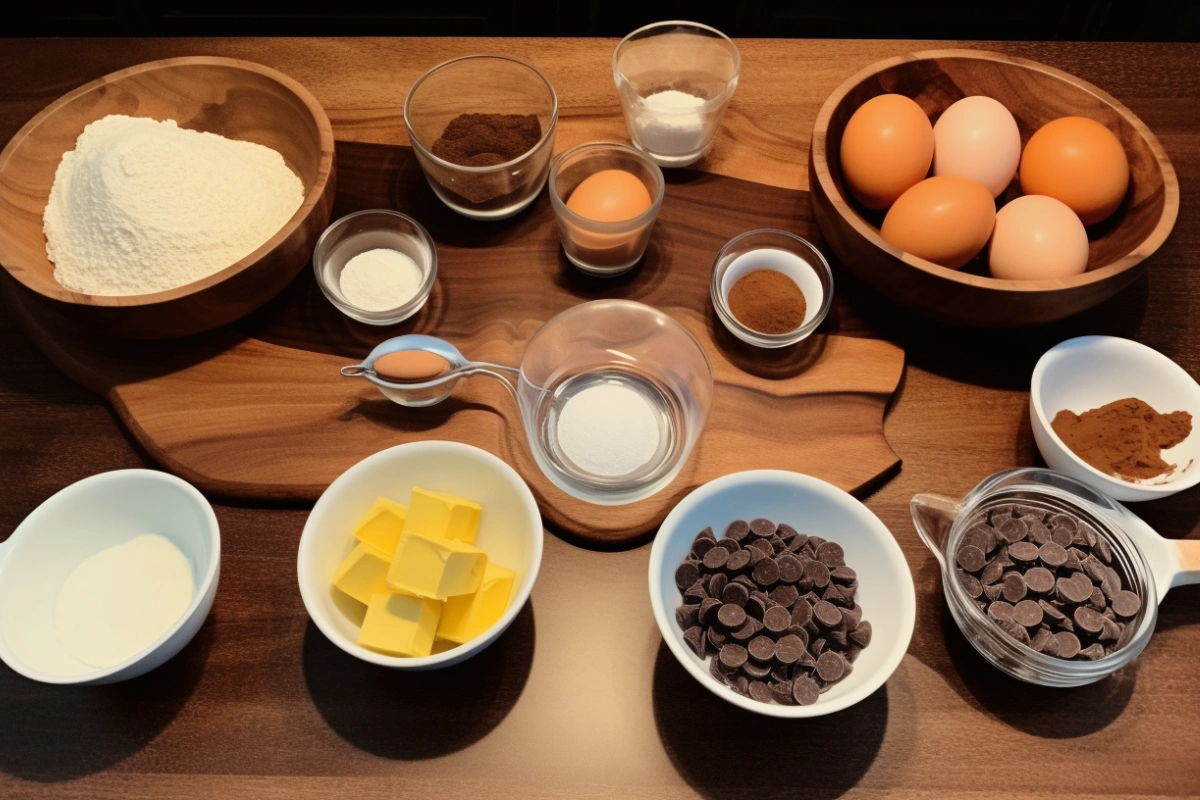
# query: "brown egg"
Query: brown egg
944,219
1080,162
410,366
610,195
887,147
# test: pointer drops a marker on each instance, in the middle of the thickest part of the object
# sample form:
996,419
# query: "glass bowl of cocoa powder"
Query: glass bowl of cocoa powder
482,128
771,288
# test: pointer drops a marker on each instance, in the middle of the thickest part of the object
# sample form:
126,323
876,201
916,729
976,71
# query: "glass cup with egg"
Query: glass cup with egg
606,198
675,80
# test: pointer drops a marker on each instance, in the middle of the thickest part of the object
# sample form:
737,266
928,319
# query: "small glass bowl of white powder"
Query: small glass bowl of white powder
376,266
675,80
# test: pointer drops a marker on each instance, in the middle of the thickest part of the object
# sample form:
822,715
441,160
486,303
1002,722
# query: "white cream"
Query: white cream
119,601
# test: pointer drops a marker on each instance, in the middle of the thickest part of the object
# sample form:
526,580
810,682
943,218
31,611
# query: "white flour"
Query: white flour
608,430
141,206
672,123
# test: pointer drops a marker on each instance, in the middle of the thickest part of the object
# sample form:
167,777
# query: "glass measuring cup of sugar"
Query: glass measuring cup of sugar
675,80
1151,566
613,394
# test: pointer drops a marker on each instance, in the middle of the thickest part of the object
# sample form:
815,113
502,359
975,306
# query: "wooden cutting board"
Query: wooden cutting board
259,410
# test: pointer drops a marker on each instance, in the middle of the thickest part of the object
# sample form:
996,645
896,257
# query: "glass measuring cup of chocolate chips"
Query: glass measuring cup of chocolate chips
1050,581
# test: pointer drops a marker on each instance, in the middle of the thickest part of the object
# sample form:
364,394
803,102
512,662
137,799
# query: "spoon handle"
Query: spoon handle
1189,561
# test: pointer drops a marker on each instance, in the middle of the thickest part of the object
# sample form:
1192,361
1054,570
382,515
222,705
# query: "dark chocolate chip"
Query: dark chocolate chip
696,593
1098,601
790,648
755,607
733,656
817,646
831,555
763,528
737,530
861,635
1000,611
1039,580
1068,644
778,619
992,573
708,610
762,547
827,614
817,572
1109,630
1088,619
1039,534
1040,637
851,616
686,574
713,559
1075,558
716,584
839,639
740,684
1094,569
1052,554
761,692
758,672
831,666
687,616
1027,613
981,536
971,584
735,593
805,691
802,612
731,616
744,580
761,648
993,592
791,568
1015,630
694,636
702,546
1024,552
766,572
716,639
730,545
785,594
1051,611
1014,587
738,561
971,558
750,628
1103,549
1011,529
1126,604
1075,589
1051,646
1092,652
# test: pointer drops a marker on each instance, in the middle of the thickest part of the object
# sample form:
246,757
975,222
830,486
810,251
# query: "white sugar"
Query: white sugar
380,280
609,430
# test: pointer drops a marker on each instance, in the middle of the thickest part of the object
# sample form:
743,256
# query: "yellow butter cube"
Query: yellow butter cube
363,573
382,525
443,515
400,624
466,616
429,566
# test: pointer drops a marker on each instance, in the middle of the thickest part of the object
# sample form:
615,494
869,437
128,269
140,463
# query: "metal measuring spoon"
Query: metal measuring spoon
417,370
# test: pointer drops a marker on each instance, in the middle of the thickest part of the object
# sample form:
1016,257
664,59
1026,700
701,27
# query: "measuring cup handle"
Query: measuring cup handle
1189,561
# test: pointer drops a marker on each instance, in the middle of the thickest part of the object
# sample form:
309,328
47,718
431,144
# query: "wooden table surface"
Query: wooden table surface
580,698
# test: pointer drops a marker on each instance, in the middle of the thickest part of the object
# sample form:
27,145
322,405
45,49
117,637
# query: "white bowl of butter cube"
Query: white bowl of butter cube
420,556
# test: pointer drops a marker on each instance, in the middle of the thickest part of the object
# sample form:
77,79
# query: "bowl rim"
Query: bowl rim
203,586
311,197
891,551
1105,483
455,654
819,162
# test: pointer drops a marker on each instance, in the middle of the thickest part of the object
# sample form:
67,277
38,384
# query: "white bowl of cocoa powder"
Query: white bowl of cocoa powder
1118,416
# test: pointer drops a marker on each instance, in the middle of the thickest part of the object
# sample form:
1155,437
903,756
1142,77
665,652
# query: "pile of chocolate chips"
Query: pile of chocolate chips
774,608
1049,580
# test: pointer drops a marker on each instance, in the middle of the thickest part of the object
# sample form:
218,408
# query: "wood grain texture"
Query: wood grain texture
1035,94
209,408
233,98
583,700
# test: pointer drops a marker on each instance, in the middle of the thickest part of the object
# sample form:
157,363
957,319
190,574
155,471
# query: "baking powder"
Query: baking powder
609,430
380,280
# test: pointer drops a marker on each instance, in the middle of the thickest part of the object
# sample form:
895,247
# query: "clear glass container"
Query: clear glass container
942,523
482,85
603,248
615,342
768,248
676,56
367,230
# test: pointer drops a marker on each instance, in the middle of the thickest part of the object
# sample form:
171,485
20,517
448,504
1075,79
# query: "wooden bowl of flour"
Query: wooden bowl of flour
233,98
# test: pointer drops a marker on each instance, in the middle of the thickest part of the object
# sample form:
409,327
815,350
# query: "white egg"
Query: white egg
977,138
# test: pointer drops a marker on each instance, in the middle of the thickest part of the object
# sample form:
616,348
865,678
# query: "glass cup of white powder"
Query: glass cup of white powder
376,266
675,80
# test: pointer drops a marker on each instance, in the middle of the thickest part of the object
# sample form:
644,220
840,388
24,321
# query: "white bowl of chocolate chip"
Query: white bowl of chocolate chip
781,593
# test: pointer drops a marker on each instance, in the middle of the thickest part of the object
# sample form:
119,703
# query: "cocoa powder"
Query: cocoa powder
485,140
767,301
1124,438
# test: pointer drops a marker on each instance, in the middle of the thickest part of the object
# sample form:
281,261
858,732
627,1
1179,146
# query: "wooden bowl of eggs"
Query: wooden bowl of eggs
115,202
986,190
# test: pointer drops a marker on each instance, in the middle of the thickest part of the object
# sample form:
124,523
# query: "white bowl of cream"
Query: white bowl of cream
108,579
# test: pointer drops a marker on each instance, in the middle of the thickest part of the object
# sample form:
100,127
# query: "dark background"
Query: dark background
1149,20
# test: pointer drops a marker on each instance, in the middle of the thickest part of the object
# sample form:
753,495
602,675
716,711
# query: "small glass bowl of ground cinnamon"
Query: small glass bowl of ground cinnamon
482,128
771,288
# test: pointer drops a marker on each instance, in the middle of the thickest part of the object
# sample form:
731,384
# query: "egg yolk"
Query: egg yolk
611,195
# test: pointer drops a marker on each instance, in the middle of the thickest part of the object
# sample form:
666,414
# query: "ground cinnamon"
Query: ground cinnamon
1124,438
485,140
767,301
